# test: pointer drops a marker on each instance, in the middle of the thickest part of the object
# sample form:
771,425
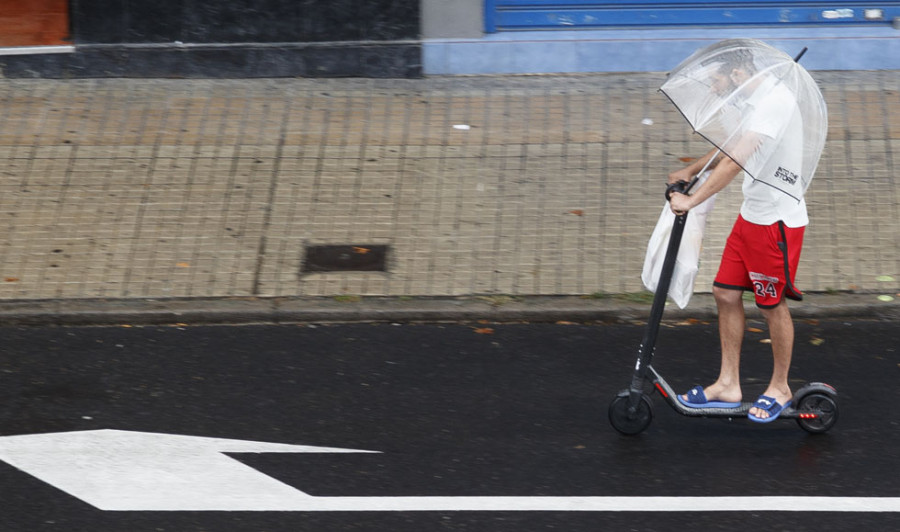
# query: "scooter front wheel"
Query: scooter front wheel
633,423
818,412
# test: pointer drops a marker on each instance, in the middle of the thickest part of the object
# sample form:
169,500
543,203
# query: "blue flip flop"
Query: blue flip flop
770,405
697,399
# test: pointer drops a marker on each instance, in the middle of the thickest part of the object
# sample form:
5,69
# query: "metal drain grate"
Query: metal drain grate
345,258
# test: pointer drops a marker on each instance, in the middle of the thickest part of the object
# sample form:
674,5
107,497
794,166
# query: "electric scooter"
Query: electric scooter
814,406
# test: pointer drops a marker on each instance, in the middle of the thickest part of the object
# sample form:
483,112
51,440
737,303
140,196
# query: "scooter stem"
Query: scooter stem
648,344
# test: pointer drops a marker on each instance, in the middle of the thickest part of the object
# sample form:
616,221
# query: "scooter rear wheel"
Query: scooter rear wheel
824,409
636,423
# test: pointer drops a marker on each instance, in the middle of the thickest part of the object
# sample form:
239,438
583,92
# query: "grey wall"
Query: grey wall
452,19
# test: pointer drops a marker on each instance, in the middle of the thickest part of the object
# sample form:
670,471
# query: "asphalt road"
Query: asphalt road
463,410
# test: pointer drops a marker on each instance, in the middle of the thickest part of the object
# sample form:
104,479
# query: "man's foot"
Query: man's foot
710,397
769,406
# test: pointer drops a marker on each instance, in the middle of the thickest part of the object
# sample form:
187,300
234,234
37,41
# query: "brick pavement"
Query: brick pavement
126,188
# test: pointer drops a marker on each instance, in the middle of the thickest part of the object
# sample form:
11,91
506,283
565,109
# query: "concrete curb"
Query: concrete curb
237,310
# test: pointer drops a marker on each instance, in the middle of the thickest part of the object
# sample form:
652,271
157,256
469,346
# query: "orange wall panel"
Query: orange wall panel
34,22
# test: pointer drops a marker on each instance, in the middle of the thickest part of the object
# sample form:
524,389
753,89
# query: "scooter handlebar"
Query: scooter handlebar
681,186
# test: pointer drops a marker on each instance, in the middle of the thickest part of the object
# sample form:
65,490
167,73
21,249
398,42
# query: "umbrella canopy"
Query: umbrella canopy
757,105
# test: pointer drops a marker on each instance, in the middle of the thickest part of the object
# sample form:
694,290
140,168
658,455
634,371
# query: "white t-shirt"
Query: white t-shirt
775,115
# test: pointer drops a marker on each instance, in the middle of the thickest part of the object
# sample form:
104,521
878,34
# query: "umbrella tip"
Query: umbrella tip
803,51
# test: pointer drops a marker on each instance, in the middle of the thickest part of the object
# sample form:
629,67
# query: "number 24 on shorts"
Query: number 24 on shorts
763,285
765,289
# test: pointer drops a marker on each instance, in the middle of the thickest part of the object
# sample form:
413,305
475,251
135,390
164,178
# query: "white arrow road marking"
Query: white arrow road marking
121,470
138,471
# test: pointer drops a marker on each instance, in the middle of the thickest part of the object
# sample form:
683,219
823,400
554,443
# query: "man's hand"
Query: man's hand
680,203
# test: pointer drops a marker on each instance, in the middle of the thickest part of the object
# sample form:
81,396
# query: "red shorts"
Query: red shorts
762,258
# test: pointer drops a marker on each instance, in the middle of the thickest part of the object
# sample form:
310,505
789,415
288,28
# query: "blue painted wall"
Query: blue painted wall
518,15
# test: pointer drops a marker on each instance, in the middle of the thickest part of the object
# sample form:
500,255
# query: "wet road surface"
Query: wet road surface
465,410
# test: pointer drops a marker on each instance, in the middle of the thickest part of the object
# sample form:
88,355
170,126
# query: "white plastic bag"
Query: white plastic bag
688,261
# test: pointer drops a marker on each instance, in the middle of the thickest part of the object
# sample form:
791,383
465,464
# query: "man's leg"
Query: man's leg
781,330
731,335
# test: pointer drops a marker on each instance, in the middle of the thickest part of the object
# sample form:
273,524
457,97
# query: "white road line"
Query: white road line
605,504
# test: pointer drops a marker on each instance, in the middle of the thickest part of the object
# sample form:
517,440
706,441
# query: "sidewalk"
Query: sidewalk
188,194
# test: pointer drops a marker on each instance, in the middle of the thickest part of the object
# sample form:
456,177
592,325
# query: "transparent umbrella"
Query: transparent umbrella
758,106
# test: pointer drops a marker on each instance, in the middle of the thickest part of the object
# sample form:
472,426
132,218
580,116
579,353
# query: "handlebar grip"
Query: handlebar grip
679,186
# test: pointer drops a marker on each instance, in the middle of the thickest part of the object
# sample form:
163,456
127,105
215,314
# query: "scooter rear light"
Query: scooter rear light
806,415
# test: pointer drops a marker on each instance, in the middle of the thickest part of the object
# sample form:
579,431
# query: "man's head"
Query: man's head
733,68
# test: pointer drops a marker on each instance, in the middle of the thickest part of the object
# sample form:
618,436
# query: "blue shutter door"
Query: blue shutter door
518,15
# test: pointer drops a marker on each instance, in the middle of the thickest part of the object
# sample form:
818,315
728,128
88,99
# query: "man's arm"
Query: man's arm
688,172
722,174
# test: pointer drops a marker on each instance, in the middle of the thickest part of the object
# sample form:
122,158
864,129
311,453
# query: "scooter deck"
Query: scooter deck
671,397
736,412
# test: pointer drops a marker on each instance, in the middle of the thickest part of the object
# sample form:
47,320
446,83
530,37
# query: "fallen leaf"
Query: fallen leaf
577,212
687,159
11,279
766,341
754,330
566,323
484,330
361,251
183,264
816,341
